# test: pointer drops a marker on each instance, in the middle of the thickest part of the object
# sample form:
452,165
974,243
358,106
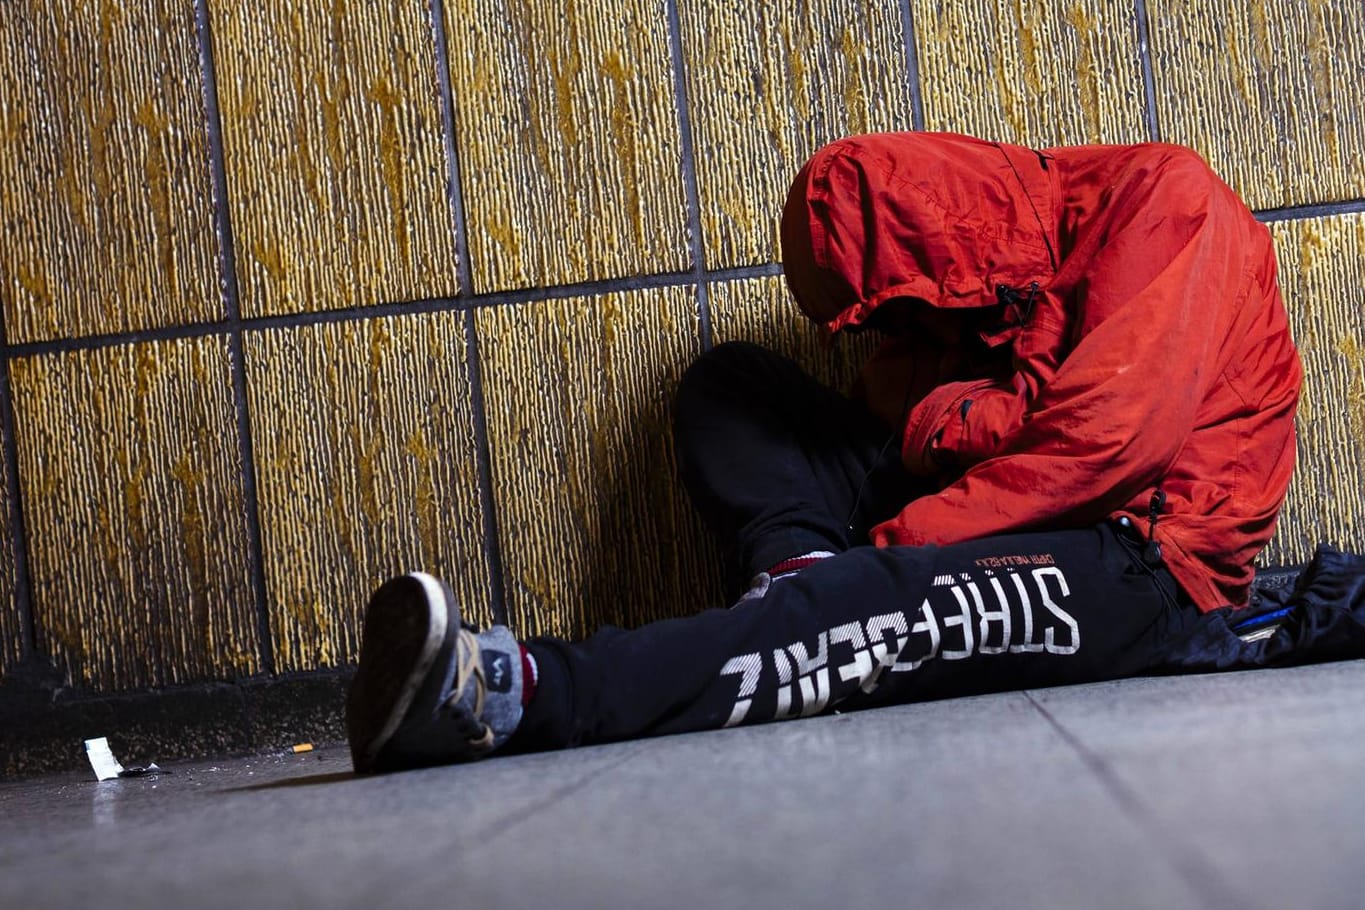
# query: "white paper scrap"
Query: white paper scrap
101,759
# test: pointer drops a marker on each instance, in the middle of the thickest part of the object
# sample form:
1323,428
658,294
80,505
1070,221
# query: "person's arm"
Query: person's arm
901,372
1114,414
960,424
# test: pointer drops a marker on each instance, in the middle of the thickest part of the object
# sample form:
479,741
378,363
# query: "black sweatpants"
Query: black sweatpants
779,465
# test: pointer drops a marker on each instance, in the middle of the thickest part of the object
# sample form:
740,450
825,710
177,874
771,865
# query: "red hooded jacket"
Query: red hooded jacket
1121,334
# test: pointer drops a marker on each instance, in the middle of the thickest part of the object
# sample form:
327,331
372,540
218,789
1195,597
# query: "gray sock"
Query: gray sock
501,656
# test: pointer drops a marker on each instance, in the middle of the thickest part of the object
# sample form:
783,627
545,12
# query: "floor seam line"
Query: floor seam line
516,818
1202,878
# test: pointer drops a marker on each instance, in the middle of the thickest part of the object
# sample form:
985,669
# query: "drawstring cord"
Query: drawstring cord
1023,306
1151,553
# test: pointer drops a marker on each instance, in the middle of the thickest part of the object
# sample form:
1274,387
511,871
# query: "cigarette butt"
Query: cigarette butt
303,747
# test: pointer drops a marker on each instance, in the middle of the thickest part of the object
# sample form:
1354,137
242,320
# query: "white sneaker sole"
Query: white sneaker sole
438,613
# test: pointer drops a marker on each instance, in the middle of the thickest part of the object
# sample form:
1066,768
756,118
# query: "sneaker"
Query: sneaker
429,691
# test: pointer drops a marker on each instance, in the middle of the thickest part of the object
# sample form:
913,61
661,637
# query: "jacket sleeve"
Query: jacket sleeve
901,372
960,424
1069,445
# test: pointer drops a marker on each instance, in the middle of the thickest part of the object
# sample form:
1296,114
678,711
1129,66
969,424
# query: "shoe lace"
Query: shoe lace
469,667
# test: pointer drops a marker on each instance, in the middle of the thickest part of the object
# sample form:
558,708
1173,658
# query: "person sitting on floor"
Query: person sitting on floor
1071,445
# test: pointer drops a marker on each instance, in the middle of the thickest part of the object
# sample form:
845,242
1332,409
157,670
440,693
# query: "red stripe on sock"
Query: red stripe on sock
794,564
529,675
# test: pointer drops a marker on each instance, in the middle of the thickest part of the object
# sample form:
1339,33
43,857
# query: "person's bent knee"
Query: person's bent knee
727,362
730,370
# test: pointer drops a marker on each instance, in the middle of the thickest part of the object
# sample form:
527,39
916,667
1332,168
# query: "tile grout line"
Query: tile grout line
1201,877
501,298
398,308
23,601
483,454
497,592
454,187
464,301
1312,210
1144,36
912,65
689,172
227,261
352,314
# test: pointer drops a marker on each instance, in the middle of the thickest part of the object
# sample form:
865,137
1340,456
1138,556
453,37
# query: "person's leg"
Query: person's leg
868,627
778,464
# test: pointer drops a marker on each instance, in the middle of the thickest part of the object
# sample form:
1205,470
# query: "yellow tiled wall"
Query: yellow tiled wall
134,512
567,133
768,81
364,452
1322,264
105,191
592,527
298,295
1269,91
1033,73
332,142
10,630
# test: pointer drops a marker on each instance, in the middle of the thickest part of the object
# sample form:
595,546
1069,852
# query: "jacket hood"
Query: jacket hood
877,217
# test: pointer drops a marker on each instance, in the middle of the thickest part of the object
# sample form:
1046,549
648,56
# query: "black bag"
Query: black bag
1295,617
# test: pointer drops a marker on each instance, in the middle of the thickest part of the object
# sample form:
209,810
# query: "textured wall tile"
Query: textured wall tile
762,311
770,84
568,137
593,523
335,160
365,461
1322,268
9,609
106,219
1269,91
1034,73
133,503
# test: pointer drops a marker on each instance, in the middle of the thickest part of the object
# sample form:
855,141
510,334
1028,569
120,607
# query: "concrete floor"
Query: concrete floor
1236,791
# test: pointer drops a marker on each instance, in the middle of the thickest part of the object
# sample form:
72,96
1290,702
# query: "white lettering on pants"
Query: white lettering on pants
804,674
